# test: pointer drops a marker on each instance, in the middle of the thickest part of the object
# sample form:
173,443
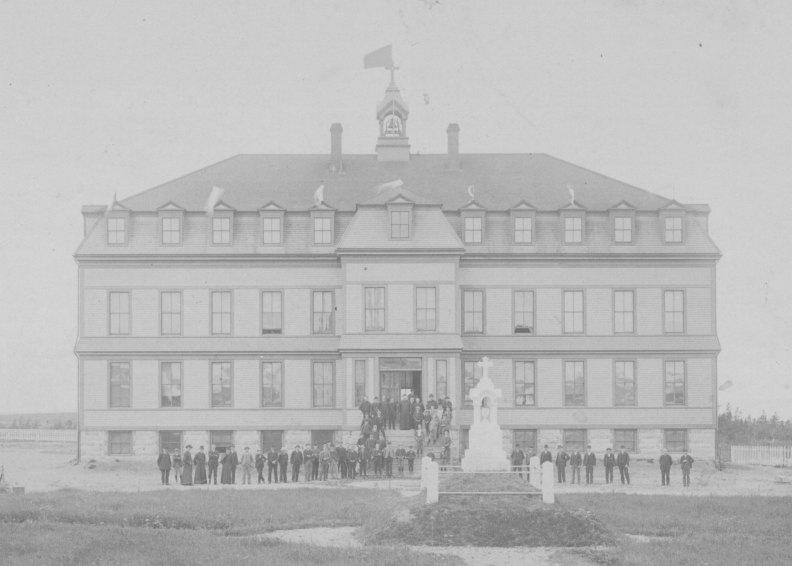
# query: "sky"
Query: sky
687,100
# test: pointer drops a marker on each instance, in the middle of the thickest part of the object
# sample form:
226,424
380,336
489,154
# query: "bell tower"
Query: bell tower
392,113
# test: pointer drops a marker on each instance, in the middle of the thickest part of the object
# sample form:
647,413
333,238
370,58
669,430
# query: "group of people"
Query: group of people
431,423
317,463
588,460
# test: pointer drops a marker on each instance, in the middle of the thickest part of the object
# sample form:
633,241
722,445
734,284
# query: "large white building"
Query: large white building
265,316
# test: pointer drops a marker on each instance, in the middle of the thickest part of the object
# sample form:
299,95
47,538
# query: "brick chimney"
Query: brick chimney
335,147
453,146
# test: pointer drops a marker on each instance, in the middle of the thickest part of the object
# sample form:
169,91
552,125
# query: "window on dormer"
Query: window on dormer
573,230
622,229
171,230
116,230
272,230
673,229
323,230
523,230
400,224
473,230
221,230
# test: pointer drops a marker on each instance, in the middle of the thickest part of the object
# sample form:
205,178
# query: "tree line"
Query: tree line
736,428
35,423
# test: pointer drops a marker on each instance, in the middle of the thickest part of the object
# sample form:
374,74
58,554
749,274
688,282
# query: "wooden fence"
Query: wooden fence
38,435
762,455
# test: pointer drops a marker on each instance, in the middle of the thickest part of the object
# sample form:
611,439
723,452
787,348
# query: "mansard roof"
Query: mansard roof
500,180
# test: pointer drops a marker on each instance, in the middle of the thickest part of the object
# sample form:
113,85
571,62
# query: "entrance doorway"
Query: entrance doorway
400,376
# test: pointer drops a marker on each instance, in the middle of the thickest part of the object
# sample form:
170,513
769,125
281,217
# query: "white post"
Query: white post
535,472
425,461
548,488
432,482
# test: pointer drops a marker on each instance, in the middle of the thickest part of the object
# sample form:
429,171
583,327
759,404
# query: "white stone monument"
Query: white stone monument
485,453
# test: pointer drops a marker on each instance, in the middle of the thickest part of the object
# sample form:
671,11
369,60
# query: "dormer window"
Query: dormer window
171,230
673,229
221,230
473,230
323,230
523,230
573,230
400,224
116,230
622,229
272,216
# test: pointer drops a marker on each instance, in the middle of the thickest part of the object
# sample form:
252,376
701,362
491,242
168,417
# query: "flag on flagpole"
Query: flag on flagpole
214,198
319,195
382,57
390,185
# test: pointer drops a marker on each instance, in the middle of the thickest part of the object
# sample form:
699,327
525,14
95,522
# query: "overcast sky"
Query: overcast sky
692,101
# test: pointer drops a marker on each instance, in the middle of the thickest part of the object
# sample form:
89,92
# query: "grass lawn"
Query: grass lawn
692,530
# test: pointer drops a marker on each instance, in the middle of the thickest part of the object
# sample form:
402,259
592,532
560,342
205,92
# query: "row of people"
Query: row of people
588,460
409,413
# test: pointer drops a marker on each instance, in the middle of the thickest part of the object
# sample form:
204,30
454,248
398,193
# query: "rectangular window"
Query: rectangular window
271,312
623,312
525,440
574,384
472,374
473,230
170,313
170,384
120,442
675,383
119,313
675,439
575,439
221,439
523,312
426,308
271,384
473,319
271,228
221,384
523,230
674,311
673,229
360,381
170,440
120,385
573,229
116,230
624,383
320,438
441,379
622,226
323,230
221,230
573,312
171,230
524,384
627,438
375,309
323,384
400,224
322,312
221,312
271,439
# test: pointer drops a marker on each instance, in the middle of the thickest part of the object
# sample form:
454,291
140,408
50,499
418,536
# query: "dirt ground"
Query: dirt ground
47,467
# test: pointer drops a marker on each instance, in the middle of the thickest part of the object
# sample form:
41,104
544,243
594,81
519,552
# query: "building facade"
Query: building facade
242,304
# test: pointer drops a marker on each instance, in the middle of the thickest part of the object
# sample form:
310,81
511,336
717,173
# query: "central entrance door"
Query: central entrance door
399,376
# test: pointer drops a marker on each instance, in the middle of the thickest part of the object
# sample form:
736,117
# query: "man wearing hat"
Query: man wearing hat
260,466
164,465
589,461
247,464
623,461
609,461
686,462
296,461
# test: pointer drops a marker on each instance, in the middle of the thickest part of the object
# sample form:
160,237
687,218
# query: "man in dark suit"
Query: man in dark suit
609,461
589,461
214,462
260,459
365,407
164,465
623,461
665,468
352,459
296,461
561,462
341,457
576,460
234,462
283,462
545,456
272,464
517,457
308,462
686,462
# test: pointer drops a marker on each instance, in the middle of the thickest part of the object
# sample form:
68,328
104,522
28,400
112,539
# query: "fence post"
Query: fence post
548,487
432,482
535,472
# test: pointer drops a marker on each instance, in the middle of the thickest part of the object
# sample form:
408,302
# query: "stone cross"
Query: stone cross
485,364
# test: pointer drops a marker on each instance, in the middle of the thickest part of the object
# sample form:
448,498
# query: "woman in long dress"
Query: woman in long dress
187,466
199,463
226,475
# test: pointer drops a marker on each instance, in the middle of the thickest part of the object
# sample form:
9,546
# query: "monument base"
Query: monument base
486,452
